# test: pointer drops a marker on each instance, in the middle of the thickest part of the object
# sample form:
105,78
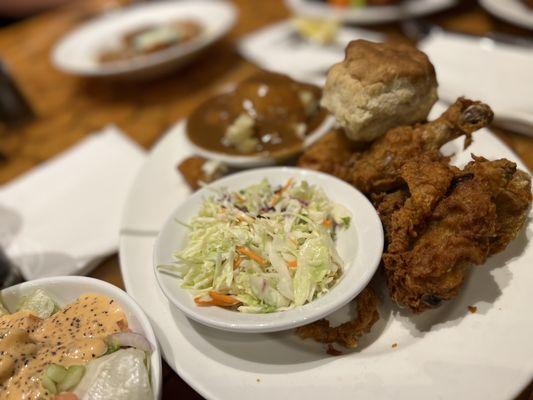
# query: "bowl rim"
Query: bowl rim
261,159
300,315
149,61
93,284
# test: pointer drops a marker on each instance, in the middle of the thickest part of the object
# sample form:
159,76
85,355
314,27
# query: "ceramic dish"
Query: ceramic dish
447,353
513,11
359,246
77,53
66,289
369,15
260,160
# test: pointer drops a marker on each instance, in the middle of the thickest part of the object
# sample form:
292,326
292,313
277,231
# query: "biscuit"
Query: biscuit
379,86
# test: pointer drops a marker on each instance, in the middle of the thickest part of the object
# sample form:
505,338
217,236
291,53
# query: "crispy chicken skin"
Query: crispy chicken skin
438,220
348,333
330,152
378,168
196,170
192,172
451,220
510,189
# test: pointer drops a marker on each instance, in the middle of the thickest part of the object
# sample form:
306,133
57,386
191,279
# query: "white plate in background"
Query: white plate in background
512,11
67,289
77,52
279,48
446,353
371,14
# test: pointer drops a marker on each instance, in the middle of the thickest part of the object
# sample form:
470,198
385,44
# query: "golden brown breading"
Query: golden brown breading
452,220
427,182
386,205
433,265
378,168
511,192
194,171
191,170
332,150
348,333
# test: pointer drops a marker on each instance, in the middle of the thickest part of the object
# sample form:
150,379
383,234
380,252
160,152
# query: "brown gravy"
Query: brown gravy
275,104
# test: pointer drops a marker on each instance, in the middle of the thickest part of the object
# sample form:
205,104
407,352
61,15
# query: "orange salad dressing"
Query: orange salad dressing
72,336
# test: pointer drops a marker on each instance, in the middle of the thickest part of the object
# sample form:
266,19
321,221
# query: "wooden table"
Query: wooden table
69,108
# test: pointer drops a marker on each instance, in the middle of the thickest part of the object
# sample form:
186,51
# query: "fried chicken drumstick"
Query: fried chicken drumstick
377,169
446,221
438,220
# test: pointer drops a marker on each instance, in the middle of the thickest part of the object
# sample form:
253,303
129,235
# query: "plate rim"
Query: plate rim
190,377
369,17
495,8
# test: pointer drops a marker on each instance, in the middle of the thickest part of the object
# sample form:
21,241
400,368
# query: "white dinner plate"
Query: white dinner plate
361,257
446,353
371,14
512,11
77,52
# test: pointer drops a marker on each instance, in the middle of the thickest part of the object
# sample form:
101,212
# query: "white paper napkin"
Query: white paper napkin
278,48
481,69
63,217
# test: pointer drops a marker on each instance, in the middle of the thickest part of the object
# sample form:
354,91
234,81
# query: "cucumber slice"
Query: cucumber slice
48,384
38,303
56,372
72,378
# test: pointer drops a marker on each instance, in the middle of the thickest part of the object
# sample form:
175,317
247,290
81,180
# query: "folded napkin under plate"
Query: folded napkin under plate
62,217
496,73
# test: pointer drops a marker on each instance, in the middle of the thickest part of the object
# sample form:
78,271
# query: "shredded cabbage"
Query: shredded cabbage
264,248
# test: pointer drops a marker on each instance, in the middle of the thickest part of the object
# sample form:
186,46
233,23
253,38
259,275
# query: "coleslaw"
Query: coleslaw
262,249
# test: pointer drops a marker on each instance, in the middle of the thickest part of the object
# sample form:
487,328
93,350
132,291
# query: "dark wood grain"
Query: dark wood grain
69,108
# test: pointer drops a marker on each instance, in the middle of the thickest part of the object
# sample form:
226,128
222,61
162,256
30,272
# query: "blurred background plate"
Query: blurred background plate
512,11
77,53
370,14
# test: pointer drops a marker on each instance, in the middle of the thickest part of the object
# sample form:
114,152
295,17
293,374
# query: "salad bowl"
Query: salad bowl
359,246
66,289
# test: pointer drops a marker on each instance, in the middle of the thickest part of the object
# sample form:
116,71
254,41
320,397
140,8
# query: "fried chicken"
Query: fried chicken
378,168
196,169
446,221
330,152
510,190
348,333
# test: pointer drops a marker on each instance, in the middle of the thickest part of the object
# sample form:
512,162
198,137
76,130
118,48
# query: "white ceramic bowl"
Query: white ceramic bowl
513,11
262,160
360,247
371,14
66,289
77,53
